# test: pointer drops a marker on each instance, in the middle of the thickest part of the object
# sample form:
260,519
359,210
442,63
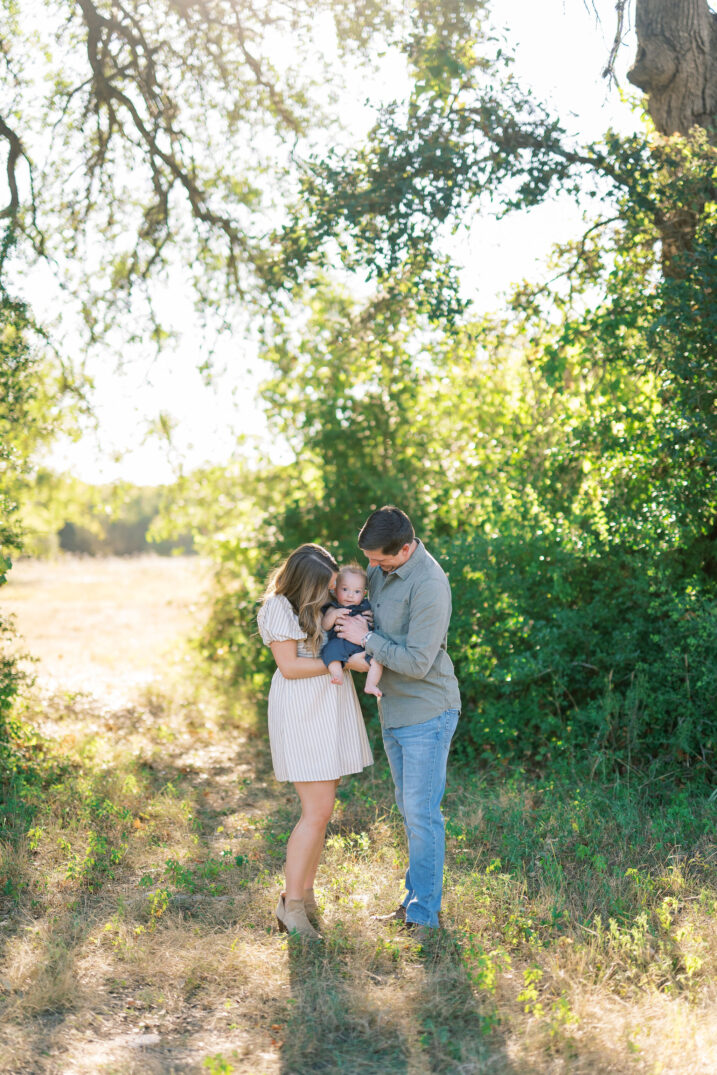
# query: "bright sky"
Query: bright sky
559,51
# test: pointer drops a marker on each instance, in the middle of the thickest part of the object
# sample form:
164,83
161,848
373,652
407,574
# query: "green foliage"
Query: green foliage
138,184
562,654
17,395
60,512
363,395
217,1064
467,135
559,458
658,318
207,876
25,421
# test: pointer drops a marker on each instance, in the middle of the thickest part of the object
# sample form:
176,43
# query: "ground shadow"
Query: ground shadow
459,1029
350,1013
333,1026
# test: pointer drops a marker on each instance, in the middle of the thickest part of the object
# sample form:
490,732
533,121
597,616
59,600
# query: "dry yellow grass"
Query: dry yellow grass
104,625
142,865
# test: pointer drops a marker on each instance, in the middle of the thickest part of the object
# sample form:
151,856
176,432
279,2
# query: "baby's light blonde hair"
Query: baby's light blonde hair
351,569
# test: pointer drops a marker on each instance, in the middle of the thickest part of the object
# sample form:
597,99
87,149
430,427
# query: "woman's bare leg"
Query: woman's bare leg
306,842
311,874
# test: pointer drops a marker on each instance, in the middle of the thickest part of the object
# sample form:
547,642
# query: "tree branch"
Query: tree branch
15,152
621,7
106,91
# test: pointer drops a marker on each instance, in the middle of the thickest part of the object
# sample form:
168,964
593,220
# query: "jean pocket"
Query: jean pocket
449,722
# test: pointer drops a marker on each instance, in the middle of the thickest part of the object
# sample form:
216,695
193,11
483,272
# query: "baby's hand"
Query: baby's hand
328,619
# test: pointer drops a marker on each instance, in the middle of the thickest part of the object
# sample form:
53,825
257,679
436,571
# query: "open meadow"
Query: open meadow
103,625
142,844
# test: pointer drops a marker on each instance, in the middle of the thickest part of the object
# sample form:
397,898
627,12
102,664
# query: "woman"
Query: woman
316,729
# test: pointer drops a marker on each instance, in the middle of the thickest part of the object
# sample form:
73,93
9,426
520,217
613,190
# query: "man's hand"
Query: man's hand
354,629
357,662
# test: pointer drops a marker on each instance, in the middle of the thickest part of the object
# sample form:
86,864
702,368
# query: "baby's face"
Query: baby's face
349,590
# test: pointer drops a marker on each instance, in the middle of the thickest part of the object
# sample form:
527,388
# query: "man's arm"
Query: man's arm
429,615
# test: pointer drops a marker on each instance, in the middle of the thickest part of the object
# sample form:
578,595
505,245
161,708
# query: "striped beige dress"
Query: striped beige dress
316,729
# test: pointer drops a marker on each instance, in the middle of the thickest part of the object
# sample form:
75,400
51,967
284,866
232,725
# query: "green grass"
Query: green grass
142,851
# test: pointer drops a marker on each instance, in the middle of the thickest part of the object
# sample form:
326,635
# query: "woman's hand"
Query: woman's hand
357,662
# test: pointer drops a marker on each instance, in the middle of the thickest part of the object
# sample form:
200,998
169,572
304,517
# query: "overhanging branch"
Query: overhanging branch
15,152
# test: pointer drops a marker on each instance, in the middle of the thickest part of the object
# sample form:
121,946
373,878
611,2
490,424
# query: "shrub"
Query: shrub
599,655
16,393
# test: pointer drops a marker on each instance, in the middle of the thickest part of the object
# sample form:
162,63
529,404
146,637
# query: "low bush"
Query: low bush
599,656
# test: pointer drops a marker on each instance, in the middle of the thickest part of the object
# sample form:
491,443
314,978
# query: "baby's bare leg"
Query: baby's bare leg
372,677
335,671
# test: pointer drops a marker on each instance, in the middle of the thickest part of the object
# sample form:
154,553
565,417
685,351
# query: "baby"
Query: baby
350,601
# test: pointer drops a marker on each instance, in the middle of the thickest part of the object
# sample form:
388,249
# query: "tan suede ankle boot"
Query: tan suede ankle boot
311,906
291,916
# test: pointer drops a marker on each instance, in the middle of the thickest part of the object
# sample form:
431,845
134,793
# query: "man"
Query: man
411,601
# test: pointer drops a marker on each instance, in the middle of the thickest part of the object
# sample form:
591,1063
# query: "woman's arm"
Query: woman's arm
292,666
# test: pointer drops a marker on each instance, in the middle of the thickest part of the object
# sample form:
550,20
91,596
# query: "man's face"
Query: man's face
388,561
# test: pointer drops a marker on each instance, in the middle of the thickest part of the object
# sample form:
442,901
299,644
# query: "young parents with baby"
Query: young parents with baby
315,726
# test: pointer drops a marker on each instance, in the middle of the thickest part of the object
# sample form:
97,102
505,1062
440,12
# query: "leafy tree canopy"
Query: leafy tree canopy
149,136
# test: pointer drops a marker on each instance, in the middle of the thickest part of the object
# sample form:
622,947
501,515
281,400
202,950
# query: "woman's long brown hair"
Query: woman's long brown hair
304,579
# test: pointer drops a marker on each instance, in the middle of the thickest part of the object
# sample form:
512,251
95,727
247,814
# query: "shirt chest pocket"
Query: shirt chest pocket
391,612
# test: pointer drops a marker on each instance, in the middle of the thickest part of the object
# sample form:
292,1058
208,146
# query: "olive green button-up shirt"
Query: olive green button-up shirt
412,610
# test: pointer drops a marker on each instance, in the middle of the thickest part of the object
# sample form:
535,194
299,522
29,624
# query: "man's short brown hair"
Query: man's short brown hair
387,529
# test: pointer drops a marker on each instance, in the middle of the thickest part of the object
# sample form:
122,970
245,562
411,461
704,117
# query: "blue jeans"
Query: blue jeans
418,754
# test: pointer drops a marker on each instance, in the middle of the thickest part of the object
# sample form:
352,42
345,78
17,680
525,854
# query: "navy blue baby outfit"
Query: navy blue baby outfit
340,649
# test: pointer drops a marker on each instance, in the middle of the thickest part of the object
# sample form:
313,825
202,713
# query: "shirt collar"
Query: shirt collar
414,561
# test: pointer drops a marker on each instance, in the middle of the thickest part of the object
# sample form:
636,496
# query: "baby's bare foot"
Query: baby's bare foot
336,673
373,690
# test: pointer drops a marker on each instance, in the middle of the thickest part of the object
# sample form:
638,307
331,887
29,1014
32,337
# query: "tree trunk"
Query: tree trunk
676,64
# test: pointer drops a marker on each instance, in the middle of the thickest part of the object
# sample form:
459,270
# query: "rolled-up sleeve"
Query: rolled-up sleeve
430,613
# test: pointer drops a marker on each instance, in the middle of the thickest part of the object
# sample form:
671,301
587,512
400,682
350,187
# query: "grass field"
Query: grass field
143,840
103,625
